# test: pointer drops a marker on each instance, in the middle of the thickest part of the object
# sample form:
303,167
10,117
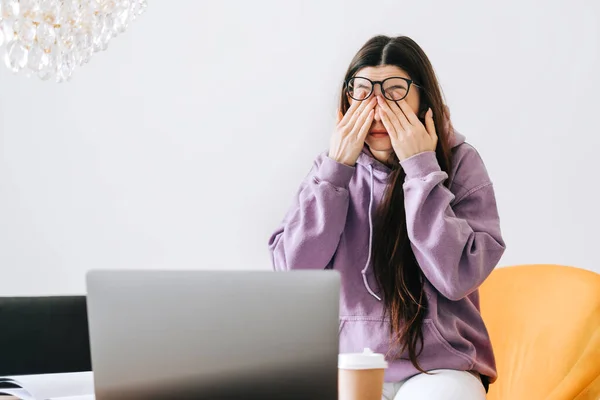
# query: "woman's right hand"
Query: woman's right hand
348,139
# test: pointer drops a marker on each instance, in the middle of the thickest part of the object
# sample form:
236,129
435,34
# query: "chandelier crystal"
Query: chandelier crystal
49,38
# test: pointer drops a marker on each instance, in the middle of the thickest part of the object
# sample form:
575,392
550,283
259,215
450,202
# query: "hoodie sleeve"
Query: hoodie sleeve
456,240
310,232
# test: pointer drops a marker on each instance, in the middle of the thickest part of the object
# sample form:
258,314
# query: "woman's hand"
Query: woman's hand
408,135
348,139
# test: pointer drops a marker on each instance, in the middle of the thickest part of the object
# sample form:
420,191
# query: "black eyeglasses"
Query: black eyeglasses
394,88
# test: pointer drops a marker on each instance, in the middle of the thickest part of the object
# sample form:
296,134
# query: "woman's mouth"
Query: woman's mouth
378,134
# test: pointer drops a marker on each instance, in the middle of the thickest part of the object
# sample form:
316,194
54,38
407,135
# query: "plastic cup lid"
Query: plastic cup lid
365,360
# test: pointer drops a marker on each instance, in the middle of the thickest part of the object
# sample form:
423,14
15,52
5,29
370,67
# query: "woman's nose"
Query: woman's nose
376,117
376,90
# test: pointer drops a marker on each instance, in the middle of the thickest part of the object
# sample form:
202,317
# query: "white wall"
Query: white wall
183,144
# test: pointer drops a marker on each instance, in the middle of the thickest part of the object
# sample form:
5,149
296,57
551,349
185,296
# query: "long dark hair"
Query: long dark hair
396,269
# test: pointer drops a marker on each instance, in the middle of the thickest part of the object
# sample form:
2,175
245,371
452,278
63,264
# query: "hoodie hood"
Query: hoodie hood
457,139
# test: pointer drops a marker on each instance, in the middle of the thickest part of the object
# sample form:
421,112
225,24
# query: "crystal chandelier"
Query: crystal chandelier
49,38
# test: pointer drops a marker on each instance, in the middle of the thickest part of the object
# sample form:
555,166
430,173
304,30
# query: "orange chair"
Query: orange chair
544,323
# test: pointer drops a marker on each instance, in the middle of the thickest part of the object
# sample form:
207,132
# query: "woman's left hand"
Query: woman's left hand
408,135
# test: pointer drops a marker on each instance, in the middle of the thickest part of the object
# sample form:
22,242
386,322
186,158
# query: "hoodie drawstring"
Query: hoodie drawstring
364,271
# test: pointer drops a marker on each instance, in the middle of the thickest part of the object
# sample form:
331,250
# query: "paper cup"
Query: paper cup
361,375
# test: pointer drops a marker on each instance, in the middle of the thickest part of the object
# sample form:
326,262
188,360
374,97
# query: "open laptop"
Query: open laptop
214,335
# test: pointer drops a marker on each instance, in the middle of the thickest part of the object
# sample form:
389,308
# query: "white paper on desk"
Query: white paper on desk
69,386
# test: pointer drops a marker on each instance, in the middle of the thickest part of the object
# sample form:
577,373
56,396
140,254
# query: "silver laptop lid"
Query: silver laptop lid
214,335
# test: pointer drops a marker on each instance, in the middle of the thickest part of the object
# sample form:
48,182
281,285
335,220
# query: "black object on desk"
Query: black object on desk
40,335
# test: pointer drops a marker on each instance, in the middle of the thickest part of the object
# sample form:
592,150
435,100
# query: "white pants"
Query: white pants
442,384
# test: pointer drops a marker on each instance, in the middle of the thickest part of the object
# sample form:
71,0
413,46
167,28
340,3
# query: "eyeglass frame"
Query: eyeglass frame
410,83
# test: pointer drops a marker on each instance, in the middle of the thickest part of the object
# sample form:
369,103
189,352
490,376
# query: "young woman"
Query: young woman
405,210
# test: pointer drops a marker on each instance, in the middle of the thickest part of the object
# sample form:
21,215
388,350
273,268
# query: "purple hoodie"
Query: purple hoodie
454,233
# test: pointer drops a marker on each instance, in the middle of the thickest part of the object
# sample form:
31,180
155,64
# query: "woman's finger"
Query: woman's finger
430,125
365,104
346,117
366,126
392,117
409,113
387,124
362,118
